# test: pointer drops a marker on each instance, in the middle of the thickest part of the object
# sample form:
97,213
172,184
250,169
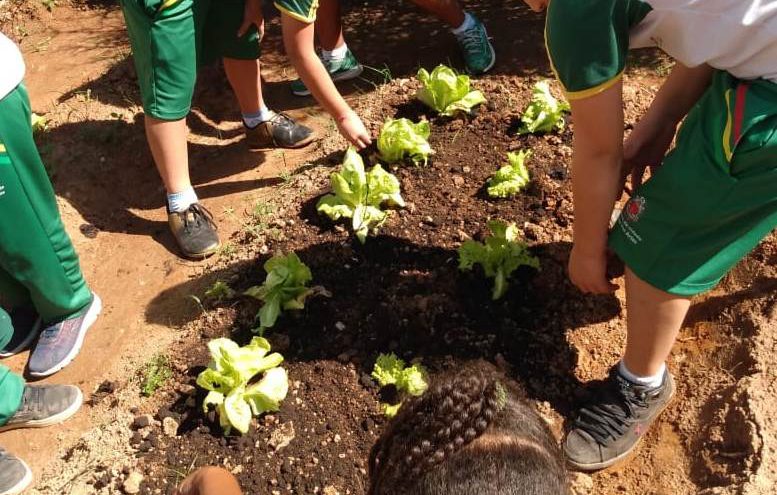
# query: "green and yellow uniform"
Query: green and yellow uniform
11,384
171,38
715,196
302,10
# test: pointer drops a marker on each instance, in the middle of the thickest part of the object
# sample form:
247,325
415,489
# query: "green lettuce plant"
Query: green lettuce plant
361,195
511,178
447,92
408,380
228,378
284,288
545,113
401,138
500,255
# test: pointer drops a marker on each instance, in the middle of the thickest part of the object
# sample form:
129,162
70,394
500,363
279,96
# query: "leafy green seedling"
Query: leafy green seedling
220,291
284,288
401,138
227,380
447,92
545,113
511,178
360,195
500,255
409,381
39,122
155,373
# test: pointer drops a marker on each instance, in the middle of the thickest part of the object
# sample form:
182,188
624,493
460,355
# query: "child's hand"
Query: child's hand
252,16
588,271
352,129
646,147
209,480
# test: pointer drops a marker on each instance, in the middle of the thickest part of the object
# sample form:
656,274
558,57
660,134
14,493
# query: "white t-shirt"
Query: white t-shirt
738,36
11,66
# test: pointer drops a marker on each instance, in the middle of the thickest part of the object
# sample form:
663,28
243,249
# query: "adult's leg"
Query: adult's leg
39,256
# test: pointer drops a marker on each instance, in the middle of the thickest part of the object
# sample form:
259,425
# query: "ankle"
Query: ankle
466,25
337,53
649,380
182,200
253,119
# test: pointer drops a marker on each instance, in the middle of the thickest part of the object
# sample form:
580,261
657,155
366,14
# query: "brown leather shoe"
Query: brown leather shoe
281,131
194,231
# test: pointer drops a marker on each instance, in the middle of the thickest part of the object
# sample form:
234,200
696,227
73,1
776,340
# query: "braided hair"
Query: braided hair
469,433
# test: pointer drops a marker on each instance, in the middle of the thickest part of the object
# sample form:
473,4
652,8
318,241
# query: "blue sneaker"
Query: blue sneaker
26,326
479,55
339,70
60,343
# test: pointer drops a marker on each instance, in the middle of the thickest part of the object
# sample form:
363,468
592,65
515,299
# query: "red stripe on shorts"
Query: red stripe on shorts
739,111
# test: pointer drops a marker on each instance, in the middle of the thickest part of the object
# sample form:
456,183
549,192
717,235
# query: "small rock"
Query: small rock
142,421
429,220
340,326
458,180
330,490
136,438
337,438
264,249
582,484
466,169
170,426
282,436
462,236
132,484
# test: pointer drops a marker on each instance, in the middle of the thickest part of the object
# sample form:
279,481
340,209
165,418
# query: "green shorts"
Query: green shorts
302,10
171,38
714,198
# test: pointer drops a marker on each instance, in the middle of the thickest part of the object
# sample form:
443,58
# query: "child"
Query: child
712,200
41,284
27,406
170,38
470,33
469,433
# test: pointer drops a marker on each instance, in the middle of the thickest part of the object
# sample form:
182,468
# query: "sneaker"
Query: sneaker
608,429
45,405
479,55
339,70
281,131
26,326
15,475
59,343
194,231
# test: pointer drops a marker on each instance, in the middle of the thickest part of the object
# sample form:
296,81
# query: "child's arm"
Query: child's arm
298,40
596,184
209,481
648,143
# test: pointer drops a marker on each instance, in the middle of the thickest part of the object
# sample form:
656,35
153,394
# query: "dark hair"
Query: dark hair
470,433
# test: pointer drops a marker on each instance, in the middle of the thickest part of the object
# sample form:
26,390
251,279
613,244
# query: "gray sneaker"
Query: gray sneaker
45,405
60,343
15,476
610,427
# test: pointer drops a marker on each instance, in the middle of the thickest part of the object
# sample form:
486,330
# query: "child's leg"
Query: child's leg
34,247
329,25
167,140
11,392
448,11
654,319
246,81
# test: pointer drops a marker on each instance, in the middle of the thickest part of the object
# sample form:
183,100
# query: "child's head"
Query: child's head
469,433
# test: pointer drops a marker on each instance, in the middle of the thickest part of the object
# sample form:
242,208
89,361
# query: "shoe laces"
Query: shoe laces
613,411
197,215
472,40
281,119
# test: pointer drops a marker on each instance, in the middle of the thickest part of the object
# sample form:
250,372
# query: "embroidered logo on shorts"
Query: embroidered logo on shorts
634,208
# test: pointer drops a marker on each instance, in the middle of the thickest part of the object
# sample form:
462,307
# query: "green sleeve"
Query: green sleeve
588,41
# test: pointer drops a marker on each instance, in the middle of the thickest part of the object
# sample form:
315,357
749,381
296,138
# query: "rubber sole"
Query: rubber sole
343,76
51,420
201,256
23,484
25,344
91,316
598,466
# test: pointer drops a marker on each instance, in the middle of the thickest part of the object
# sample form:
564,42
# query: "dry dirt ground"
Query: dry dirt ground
717,437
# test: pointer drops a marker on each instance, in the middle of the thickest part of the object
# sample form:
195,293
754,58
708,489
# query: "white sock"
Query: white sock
252,120
469,23
648,381
336,54
180,201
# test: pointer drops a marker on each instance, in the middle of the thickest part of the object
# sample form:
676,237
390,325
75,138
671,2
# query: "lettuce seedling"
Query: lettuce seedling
360,195
284,288
227,380
401,138
500,255
38,122
447,92
545,113
511,178
409,381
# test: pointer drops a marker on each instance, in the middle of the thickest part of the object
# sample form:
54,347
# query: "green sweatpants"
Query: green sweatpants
37,261
11,384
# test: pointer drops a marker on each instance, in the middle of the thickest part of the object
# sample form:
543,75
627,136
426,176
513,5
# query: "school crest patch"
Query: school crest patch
634,208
